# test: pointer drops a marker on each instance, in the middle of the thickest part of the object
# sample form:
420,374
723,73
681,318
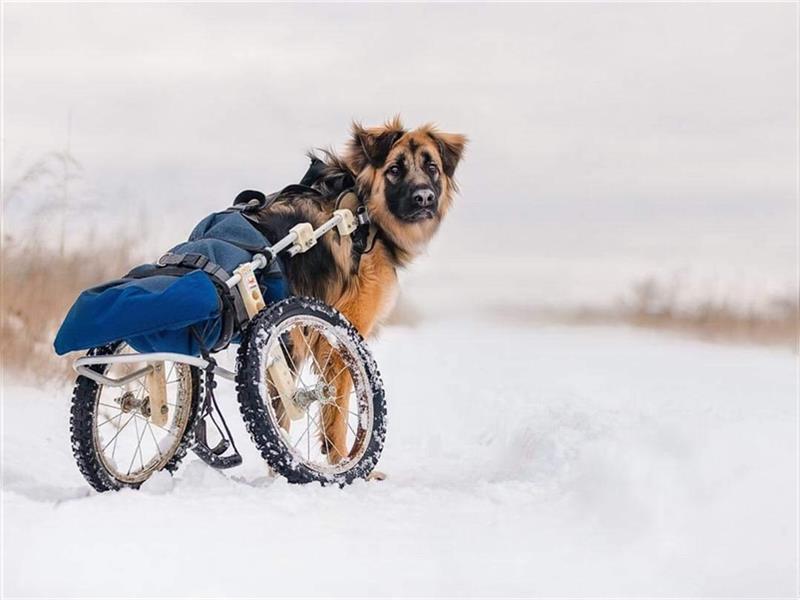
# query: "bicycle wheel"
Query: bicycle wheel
326,422
115,439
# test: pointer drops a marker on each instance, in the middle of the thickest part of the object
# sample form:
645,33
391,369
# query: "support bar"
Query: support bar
342,218
82,365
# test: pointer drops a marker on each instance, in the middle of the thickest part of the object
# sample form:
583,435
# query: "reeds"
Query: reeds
37,288
657,305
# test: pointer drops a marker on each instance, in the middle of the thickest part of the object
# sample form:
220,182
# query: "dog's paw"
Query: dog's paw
376,476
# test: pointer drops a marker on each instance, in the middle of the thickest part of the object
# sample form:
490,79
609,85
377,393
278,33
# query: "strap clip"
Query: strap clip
362,216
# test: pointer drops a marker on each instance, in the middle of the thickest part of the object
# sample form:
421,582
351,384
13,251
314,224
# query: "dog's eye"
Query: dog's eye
432,168
394,170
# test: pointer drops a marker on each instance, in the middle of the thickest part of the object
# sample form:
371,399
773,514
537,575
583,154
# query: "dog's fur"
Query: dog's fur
393,171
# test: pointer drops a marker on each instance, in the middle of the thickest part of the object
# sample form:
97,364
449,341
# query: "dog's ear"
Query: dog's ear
451,147
370,146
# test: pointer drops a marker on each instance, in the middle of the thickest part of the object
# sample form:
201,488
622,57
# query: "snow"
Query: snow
521,461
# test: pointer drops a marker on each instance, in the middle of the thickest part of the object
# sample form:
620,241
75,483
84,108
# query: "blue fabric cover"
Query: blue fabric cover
155,313
221,237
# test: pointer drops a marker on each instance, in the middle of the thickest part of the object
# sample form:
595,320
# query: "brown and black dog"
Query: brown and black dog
404,178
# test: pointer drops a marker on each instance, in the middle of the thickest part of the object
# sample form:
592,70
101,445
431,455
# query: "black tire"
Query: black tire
264,431
84,404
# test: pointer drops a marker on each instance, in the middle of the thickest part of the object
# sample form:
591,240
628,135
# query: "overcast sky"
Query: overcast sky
582,118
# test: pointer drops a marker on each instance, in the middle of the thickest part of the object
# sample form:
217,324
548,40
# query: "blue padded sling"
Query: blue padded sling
154,309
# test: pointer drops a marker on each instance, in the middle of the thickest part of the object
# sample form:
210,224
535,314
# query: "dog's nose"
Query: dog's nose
424,197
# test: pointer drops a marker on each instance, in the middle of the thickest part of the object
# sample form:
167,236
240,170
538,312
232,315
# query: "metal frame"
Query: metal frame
82,366
343,219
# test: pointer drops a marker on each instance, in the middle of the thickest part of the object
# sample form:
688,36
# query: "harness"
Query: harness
348,198
366,229
363,239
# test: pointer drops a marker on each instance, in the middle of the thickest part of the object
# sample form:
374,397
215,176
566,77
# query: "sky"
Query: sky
608,142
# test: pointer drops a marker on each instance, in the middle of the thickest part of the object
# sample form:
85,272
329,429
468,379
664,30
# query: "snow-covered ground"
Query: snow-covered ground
526,462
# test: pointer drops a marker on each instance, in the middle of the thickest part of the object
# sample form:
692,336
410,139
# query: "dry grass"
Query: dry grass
38,286
656,306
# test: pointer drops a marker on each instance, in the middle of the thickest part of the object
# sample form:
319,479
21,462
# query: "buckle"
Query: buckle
197,261
169,259
361,215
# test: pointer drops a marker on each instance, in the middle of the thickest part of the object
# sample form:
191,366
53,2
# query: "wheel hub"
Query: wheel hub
321,392
129,402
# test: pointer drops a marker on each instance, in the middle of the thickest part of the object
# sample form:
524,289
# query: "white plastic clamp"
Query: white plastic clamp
249,290
347,224
305,236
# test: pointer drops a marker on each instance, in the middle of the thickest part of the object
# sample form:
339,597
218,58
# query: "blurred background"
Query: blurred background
631,164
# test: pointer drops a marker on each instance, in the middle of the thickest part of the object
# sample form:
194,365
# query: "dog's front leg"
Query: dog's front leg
334,415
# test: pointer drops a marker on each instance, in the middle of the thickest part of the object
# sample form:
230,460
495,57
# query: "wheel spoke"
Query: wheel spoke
116,435
308,439
346,420
164,428
335,377
138,445
171,370
119,430
155,441
295,370
300,439
313,358
109,420
339,397
328,357
321,428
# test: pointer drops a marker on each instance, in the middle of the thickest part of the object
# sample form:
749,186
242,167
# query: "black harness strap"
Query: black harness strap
362,244
232,311
366,234
249,199
194,262
251,202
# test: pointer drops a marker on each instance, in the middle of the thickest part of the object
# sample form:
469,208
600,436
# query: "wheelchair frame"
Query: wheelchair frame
301,238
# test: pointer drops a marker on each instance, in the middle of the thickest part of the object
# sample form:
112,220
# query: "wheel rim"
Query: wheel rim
305,437
128,443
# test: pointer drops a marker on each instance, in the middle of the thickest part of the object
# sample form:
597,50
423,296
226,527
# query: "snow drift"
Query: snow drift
522,462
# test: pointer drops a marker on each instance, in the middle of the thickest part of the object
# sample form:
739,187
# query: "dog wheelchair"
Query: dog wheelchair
308,389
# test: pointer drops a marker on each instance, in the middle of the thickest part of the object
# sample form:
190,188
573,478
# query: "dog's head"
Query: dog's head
406,178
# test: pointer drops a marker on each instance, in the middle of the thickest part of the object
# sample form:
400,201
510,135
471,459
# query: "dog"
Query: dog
404,179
